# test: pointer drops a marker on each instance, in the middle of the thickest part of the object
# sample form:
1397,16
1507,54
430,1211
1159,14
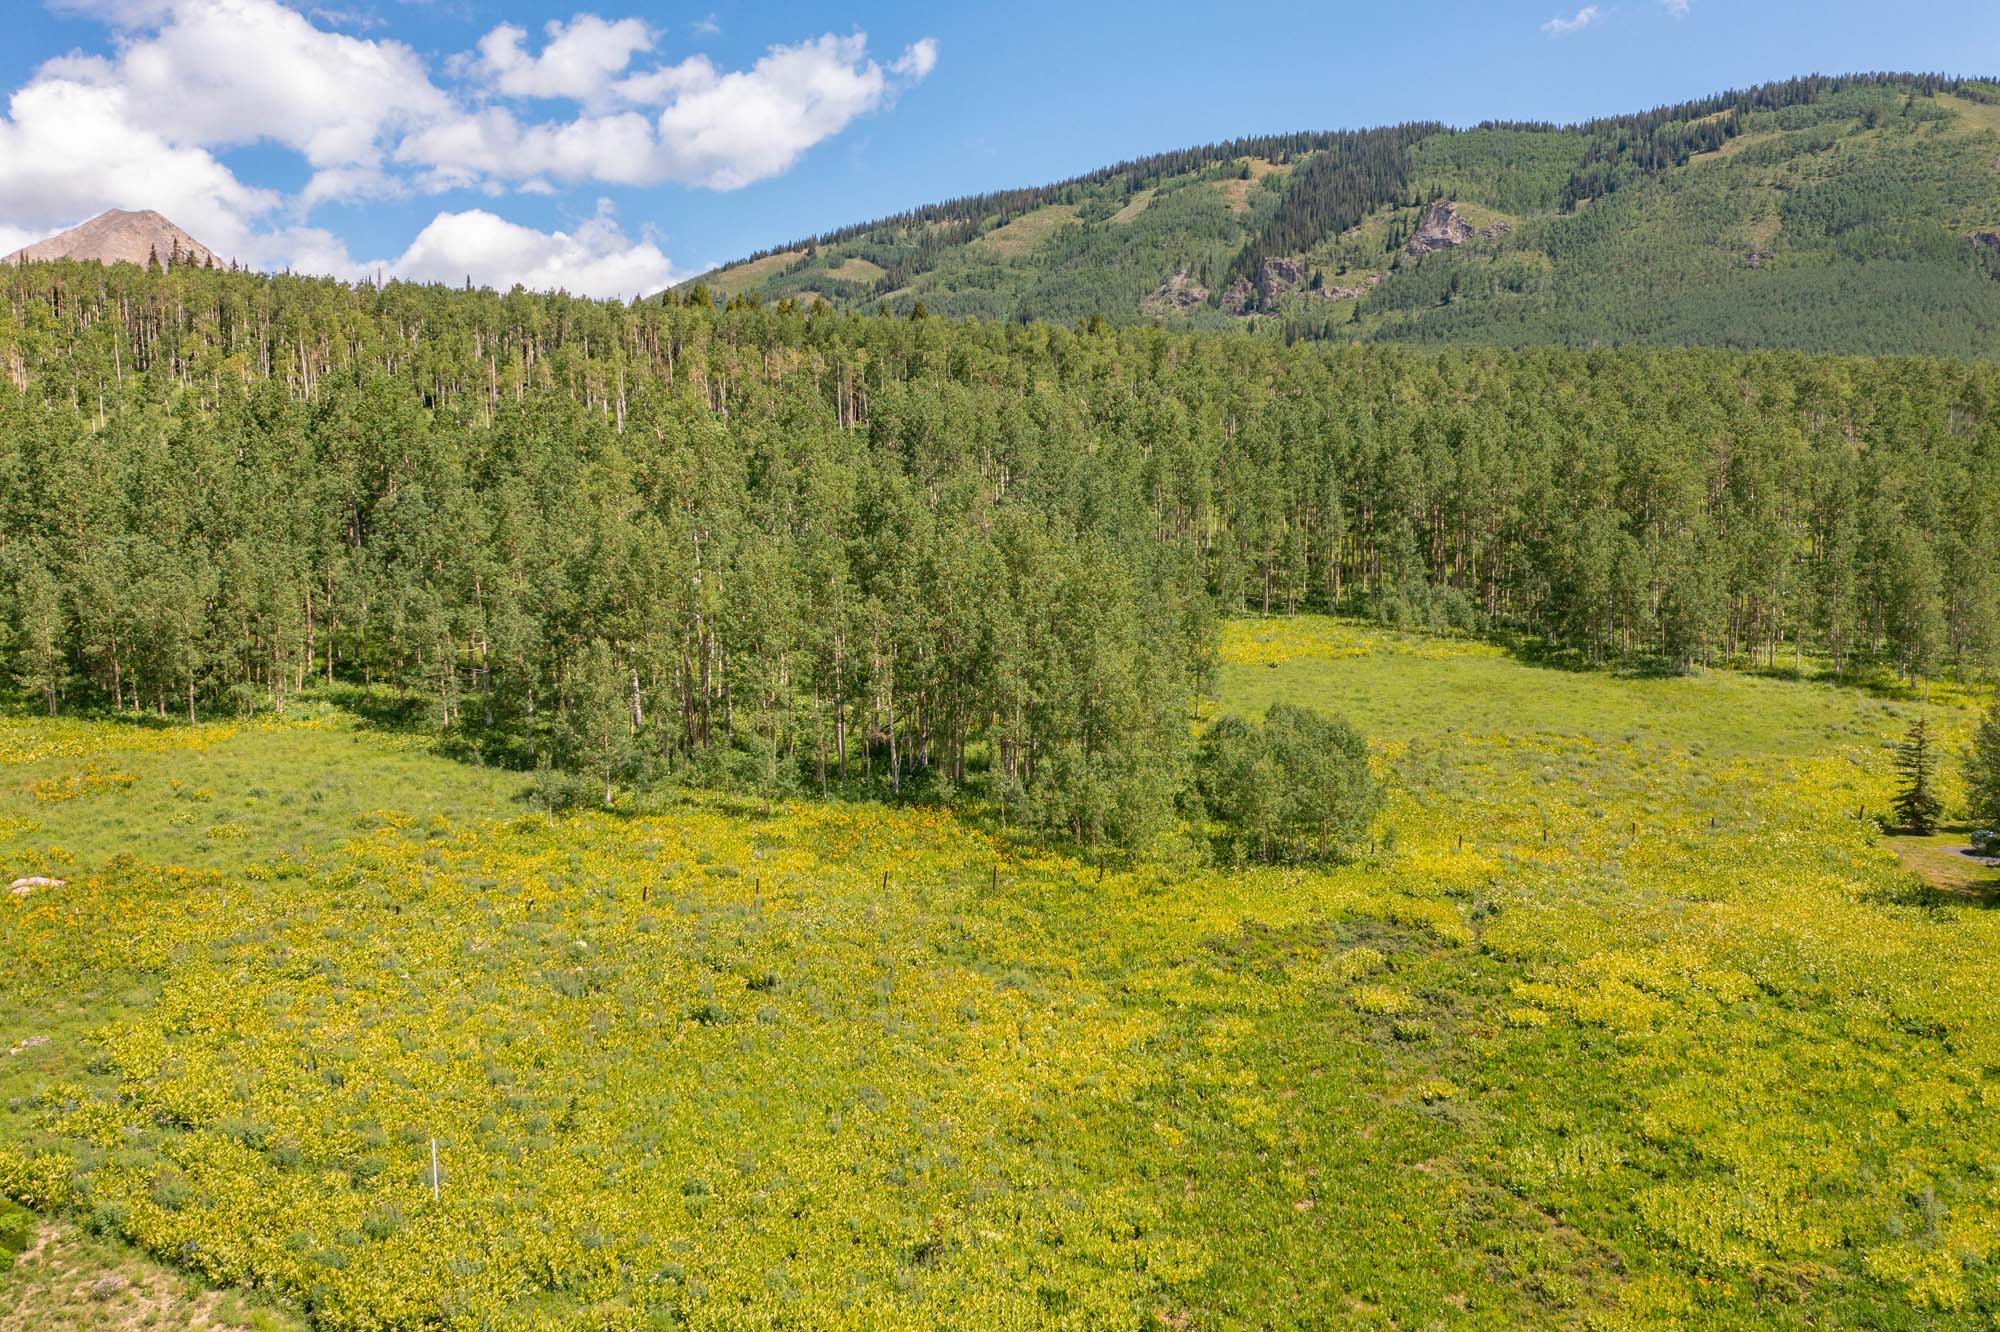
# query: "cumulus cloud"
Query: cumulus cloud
236,72
1563,27
70,149
579,61
918,62
141,126
596,259
689,123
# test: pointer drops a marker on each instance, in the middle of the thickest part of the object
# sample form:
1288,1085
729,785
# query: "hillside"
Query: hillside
1859,214
119,237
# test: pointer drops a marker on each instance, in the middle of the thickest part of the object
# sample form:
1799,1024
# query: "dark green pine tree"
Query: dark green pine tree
1918,807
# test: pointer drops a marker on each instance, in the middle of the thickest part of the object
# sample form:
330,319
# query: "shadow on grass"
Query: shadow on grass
381,709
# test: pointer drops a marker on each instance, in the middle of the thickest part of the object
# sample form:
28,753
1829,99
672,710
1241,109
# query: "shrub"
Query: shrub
17,1231
1298,788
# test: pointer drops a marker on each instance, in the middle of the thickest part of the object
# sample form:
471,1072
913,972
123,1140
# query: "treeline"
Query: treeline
1627,148
778,549
982,211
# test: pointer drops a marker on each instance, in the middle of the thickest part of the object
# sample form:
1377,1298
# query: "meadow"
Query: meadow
1629,1019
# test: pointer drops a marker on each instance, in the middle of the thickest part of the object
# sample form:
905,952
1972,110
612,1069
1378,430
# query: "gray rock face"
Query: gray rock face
1241,298
1181,292
1443,229
1280,278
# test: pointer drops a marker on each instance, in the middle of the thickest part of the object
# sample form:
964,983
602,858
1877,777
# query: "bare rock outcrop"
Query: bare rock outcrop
1443,228
1242,297
1280,278
33,884
119,237
1352,291
1180,293
1276,279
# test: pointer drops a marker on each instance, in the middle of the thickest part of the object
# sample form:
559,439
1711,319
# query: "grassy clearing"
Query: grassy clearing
235,796
1027,233
1945,862
1976,116
1630,1023
857,269
734,281
1235,192
1133,208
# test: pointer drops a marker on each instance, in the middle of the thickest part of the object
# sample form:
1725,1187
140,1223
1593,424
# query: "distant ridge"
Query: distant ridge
120,237
1857,213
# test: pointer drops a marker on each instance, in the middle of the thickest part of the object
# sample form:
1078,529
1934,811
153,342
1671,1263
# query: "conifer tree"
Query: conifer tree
1918,807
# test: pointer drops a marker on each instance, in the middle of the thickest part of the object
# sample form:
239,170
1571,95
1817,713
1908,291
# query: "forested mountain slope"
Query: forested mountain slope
781,548
1859,214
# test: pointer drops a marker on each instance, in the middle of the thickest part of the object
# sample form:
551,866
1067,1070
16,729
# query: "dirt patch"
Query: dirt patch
65,1280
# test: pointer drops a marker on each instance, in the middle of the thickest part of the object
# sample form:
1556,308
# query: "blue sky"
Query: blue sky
615,146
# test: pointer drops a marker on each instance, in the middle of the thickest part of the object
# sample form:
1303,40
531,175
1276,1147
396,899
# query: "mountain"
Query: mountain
1854,214
119,237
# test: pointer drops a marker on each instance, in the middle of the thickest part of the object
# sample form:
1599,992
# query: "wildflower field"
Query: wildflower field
1629,1020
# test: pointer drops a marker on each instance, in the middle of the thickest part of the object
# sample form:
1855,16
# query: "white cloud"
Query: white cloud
579,61
142,125
1563,27
596,259
689,123
707,27
240,71
1677,8
70,149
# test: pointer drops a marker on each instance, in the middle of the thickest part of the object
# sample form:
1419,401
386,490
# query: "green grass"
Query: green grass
1628,1023
293,790
1405,687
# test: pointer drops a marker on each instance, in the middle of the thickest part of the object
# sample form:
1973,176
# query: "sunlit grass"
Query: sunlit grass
1630,1022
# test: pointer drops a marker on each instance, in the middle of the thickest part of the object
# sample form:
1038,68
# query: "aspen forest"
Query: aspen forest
778,549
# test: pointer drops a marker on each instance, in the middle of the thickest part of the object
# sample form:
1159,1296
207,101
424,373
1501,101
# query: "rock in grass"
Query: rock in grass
33,883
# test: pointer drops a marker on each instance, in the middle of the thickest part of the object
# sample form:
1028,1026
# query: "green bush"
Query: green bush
1297,788
17,1231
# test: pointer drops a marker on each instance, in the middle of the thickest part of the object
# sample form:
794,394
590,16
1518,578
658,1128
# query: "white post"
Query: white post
434,1170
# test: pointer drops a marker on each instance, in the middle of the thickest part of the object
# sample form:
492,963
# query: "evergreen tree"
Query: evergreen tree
1918,806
